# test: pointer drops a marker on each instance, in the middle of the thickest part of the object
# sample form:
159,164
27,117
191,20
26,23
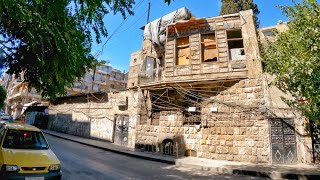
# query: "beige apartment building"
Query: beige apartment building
103,79
18,95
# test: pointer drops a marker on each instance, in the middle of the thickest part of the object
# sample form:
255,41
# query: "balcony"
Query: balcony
103,72
204,72
100,82
78,90
22,94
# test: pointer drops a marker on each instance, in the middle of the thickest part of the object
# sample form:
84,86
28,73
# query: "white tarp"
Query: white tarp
155,30
25,106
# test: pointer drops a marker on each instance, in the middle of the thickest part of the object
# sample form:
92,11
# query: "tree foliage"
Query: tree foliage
295,57
3,95
50,41
235,6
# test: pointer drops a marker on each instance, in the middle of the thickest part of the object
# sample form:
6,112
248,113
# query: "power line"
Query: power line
120,25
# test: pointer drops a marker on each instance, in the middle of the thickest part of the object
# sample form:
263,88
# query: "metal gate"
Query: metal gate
283,141
315,134
121,130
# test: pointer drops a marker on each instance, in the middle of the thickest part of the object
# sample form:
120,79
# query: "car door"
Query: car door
2,132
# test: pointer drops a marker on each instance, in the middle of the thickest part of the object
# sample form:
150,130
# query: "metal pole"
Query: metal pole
148,12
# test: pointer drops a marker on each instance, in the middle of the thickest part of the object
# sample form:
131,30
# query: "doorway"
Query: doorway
121,130
283,141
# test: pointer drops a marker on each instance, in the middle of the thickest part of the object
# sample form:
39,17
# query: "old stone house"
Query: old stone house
202,92
104,116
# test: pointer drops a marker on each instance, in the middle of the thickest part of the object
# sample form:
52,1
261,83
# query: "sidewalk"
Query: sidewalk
113,148
297,171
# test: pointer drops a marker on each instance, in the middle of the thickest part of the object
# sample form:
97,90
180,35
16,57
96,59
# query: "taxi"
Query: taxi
25,154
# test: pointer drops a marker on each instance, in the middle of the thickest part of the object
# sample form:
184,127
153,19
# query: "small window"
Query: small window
134,60
209,48
182,51
191,118
155,117
235,45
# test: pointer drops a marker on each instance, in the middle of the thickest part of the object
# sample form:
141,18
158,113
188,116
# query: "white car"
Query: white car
5,118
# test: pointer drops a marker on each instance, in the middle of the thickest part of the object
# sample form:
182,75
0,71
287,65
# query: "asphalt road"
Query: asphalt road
81,162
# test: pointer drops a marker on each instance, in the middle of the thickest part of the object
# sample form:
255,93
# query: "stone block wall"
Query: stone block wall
135,67
237,132
94,118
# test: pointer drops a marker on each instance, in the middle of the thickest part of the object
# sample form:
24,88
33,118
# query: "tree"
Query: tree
295,58
50,41
229,7
235,6
3,95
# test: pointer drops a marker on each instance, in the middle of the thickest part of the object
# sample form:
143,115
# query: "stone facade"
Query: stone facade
220,108
237,131
135,66
94,116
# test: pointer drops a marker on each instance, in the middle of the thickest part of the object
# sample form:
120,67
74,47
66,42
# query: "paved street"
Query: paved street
85,162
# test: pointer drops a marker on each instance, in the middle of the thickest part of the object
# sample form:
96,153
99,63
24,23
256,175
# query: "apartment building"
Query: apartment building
18,95
104,78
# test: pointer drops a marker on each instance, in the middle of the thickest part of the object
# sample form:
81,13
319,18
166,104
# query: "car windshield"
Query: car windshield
20,139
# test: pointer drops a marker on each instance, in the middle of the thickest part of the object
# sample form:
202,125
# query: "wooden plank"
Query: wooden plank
221,36
209,54
195,57
183,56
211,70
222,45
195,48
222,50
220,32
223,54
222,40
169,56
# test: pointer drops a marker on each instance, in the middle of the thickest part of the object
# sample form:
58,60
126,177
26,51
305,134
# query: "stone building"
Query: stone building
202,92
104,116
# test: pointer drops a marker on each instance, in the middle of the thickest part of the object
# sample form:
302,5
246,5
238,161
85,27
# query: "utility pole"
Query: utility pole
148,12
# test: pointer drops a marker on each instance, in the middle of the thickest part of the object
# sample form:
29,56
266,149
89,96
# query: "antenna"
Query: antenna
148,12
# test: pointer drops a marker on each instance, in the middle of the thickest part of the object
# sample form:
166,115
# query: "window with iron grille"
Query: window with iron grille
168,147
191,118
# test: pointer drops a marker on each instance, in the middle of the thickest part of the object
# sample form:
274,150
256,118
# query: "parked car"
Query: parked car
25,154
4,118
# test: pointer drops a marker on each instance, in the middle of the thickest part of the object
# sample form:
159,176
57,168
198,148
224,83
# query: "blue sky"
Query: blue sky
128,37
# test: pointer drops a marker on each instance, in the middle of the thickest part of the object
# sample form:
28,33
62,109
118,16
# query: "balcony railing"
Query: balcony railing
150,76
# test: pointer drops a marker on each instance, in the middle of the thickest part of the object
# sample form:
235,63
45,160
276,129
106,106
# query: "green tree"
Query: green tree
3,96
229,7
235,6
50,41
295,58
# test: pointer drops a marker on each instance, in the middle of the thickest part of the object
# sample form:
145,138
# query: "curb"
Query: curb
127,153
225,170
253,173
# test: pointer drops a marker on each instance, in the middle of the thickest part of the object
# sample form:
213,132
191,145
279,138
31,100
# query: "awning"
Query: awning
25,106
